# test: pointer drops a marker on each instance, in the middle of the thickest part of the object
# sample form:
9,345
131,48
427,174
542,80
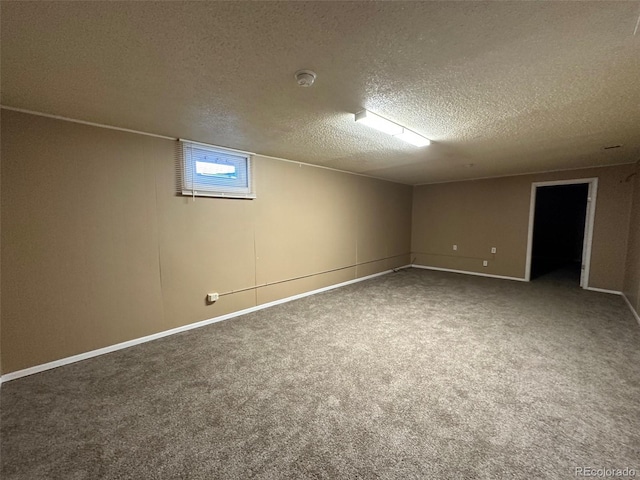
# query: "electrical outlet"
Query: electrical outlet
494,249
485,263
212,297
455,247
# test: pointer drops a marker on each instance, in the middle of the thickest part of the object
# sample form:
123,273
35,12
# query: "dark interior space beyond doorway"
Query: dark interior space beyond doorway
558,230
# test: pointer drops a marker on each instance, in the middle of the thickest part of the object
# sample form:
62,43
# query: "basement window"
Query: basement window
209,171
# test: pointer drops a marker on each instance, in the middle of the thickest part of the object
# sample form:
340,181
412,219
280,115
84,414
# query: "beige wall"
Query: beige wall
97,249
632,277
478,215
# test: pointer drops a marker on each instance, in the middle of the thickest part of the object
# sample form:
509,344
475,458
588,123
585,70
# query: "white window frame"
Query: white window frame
194,185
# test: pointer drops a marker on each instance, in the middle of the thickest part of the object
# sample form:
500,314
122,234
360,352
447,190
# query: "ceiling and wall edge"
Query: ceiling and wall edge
139,132
165,137
539,172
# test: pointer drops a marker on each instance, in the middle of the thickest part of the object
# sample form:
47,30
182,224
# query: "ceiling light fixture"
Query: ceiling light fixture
375,121
391,128
413,138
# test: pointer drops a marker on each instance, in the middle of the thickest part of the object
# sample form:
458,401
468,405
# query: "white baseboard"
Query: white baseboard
604,290
465,272
633,310
137,341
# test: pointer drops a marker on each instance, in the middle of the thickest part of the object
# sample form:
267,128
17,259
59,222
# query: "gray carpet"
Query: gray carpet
416,374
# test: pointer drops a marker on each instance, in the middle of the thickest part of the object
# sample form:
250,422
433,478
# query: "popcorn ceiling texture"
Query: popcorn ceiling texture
417,374
511,87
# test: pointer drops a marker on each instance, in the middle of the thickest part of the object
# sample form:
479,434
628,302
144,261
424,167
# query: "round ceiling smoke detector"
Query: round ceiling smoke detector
305,78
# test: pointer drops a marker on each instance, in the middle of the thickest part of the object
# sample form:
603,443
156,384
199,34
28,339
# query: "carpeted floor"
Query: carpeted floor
416,374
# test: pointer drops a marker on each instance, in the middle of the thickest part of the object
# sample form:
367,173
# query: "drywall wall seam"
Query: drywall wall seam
157,244
633,310
130,343
128,130
466,272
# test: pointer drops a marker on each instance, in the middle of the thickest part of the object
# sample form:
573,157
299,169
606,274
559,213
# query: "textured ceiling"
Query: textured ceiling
508,87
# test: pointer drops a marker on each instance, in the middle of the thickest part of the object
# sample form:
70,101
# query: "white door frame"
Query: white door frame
588,224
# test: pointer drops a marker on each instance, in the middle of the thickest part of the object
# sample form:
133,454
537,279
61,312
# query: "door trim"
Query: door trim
588,225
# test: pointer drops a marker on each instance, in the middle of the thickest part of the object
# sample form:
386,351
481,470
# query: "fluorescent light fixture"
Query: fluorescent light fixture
413,138
387,126
375,121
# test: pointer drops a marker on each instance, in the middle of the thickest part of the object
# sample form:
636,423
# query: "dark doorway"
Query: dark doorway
558,230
